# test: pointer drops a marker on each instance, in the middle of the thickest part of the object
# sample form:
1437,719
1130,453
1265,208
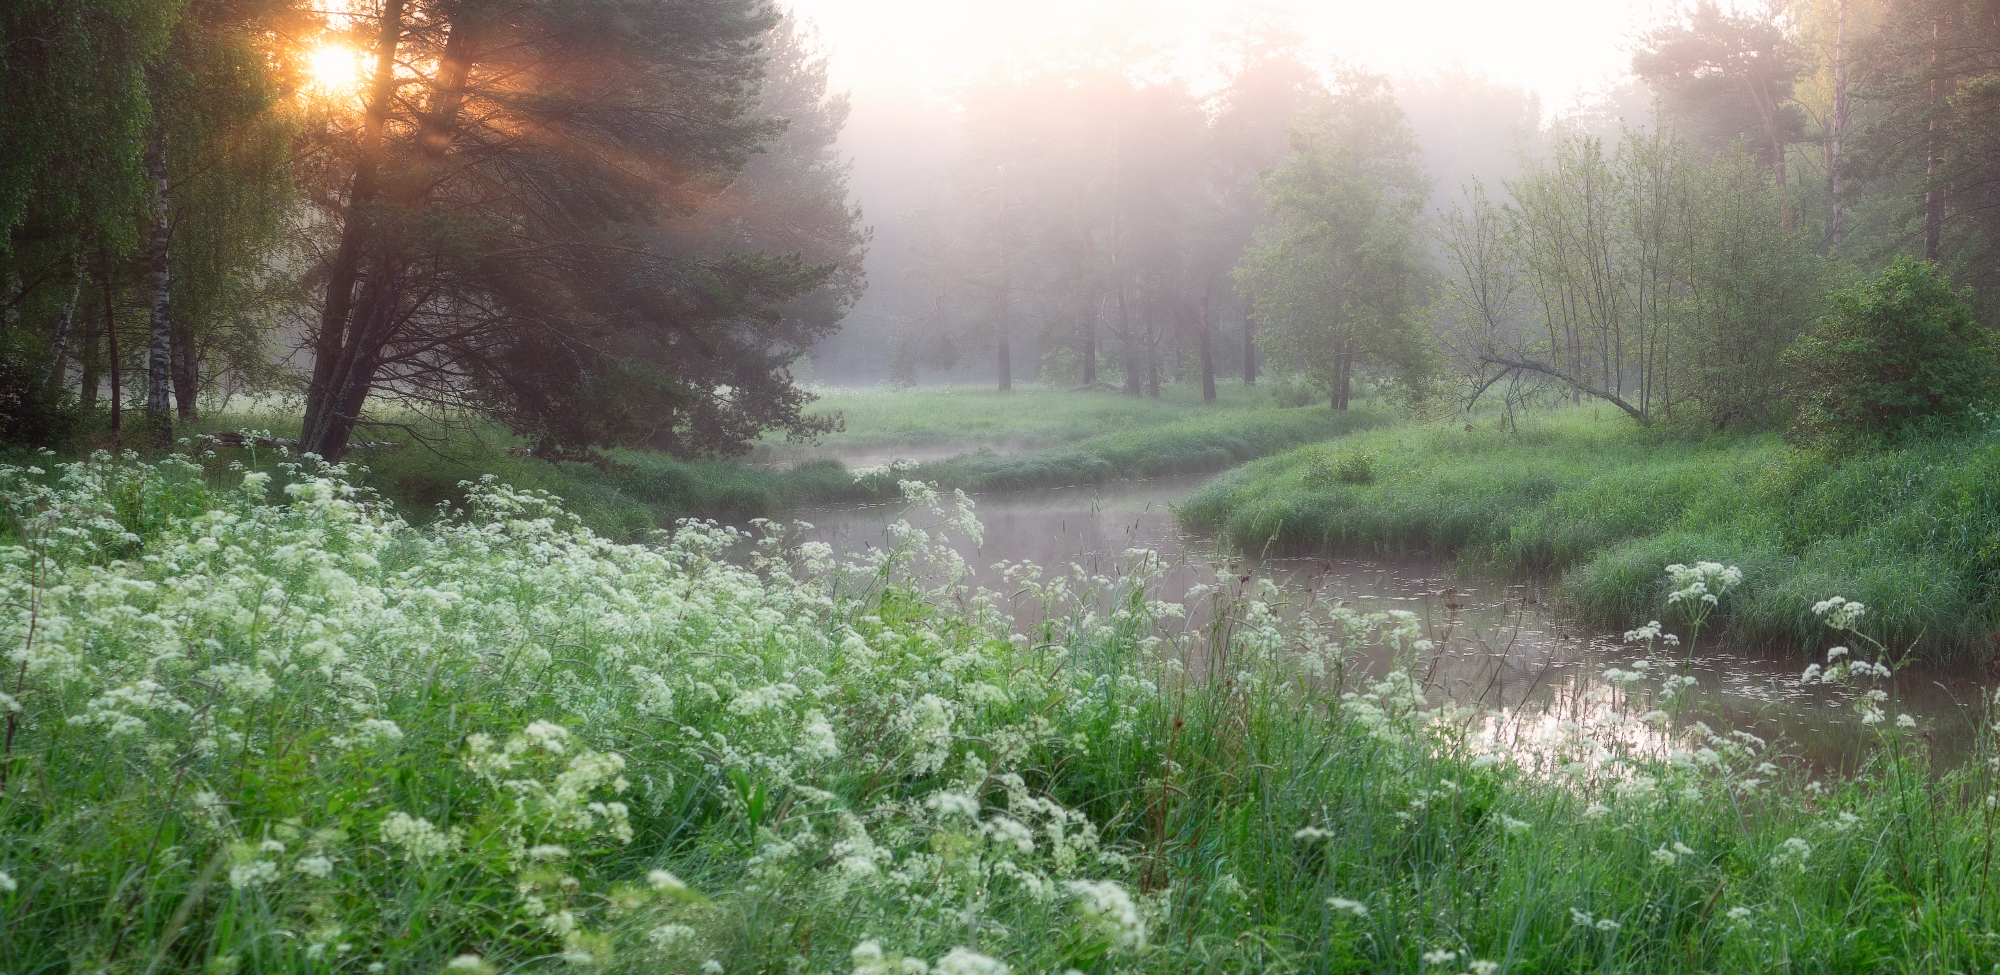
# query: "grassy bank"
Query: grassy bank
269,732
637,492
1914,530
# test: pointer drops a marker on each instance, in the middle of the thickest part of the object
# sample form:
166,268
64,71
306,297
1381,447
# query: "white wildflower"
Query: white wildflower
252,875
320,867
965,961
1355,908
414,834
1107,907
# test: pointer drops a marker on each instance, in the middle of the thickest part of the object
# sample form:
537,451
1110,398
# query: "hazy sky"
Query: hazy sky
1556,47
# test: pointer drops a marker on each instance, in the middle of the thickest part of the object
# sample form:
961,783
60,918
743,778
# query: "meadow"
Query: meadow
257,722
1031,417
1912,528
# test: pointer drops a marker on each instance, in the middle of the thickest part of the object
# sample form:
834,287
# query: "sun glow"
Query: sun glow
333,68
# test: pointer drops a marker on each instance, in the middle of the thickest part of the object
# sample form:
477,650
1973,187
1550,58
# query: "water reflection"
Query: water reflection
1498,646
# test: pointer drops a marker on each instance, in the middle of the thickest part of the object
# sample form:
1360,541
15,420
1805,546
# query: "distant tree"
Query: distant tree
1340,278
791,197
1269,85
1898,350
1727,77
1933,148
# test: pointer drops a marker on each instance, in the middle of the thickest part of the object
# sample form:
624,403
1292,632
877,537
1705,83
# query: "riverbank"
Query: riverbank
310,737
1913,531
635,492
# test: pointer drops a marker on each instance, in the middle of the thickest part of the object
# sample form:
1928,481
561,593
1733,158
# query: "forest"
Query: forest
602,485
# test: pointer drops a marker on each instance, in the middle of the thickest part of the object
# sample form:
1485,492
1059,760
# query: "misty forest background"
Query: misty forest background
634,225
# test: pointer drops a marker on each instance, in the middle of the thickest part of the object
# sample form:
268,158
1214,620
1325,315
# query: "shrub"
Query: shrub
1899,350
1340,467
33,413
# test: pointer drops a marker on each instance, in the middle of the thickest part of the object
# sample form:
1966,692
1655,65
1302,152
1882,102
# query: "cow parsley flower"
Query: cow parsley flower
1109,909
1355,908
417,837
965,961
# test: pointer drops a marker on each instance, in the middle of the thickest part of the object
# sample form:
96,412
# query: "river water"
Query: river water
1499,644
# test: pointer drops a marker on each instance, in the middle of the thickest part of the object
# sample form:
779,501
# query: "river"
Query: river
1499,643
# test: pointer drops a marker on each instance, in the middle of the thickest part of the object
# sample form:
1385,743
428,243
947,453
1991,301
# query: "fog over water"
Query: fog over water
1499,645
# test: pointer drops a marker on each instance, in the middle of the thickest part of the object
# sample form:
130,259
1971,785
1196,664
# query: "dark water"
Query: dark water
1499,645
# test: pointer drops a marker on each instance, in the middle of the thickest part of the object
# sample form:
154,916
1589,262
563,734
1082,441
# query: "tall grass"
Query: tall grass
1914,529
265,731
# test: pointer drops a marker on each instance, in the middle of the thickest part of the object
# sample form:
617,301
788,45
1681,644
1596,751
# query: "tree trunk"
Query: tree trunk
1006,363
111,339
53,369
159,322
1933,198
345,271
1153,368
187,368
354,376
1089,326
90,358
1836,230
1249,343
1207,348
1130,348
1345,381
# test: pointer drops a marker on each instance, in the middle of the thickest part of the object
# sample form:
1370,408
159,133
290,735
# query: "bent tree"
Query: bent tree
493,254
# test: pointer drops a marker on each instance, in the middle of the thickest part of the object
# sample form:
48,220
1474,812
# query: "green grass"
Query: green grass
286,732
1194,445
1030,417
1912,531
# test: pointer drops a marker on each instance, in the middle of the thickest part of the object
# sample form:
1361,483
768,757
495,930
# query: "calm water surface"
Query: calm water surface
1499,645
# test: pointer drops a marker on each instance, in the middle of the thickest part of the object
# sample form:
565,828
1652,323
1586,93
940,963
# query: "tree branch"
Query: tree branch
1574,383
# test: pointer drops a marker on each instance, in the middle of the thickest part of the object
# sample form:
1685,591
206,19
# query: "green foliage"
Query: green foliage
1913,530
34,413
300,735
1339,467
1652,277
1897,351
1338,278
